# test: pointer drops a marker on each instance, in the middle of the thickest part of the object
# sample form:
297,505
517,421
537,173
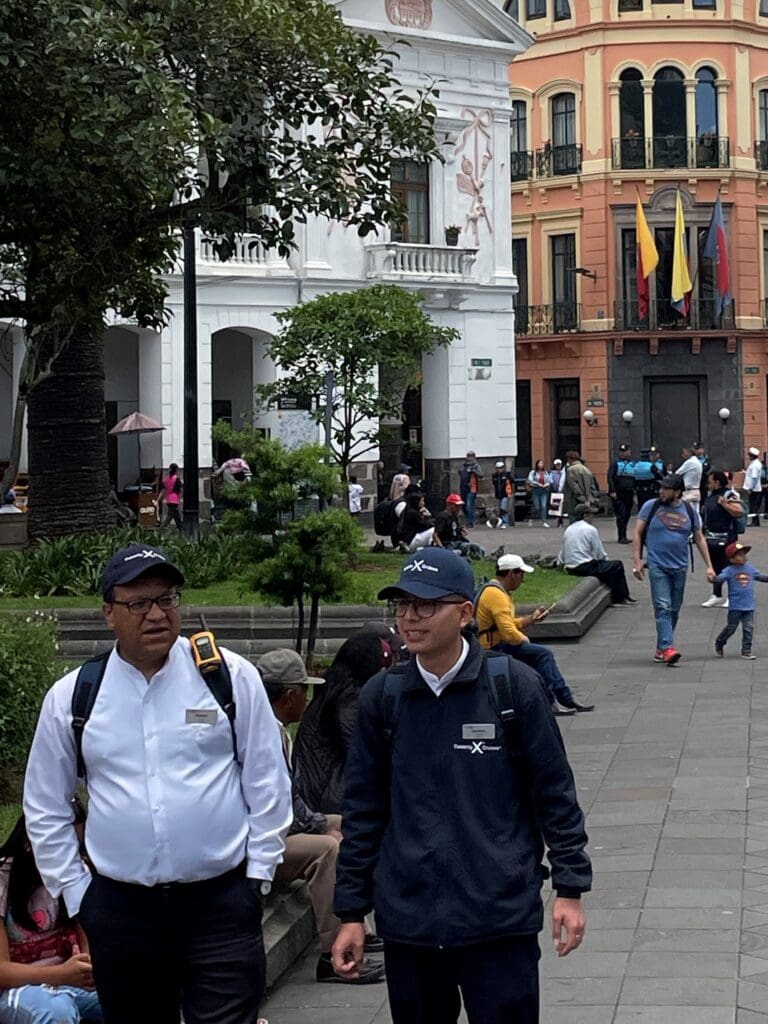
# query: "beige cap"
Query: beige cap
285,667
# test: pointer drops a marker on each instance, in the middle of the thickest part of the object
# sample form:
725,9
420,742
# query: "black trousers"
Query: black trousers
194,947
755,501
719,562
609,571
622,509
498,982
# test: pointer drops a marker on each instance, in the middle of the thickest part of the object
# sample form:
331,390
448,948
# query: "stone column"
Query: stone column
648,129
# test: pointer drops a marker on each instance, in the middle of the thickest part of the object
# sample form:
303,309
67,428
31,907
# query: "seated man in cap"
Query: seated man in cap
312,845
450,532
583,554
187,810
9,504
500,629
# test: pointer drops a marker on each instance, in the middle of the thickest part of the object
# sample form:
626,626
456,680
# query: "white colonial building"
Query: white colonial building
467,398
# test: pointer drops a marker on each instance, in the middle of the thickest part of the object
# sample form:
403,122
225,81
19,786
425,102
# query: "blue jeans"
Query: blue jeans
667,591
469,507
541,501
541,660
43,1004
747,620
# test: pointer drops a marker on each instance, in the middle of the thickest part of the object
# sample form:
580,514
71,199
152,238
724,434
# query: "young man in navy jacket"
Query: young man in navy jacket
444,827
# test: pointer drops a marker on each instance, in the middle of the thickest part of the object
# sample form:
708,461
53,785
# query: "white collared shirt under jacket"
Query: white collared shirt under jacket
167,802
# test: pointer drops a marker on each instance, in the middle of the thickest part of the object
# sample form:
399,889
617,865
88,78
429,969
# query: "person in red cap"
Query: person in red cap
740,577
451,533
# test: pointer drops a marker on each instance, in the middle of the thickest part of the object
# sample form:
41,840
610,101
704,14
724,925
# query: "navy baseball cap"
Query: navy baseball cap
433,573
129,563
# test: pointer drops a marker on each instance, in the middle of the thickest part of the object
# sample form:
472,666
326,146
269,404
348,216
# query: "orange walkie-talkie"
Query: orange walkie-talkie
205,650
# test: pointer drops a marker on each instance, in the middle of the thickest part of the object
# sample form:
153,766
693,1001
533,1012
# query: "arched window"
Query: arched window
707,140
518,139
566,158
631,119
669,128
761,148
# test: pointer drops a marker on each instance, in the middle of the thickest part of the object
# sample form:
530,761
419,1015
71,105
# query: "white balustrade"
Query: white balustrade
248,250
399,260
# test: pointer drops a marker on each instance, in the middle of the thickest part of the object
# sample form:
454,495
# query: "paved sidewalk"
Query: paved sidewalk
672,771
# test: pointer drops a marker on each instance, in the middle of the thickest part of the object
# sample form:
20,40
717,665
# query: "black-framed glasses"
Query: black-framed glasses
422,609
142,605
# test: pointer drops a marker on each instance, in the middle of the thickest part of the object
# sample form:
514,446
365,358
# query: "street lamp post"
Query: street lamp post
191,522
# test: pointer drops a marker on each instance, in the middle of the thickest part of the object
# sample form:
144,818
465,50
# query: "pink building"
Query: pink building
619,99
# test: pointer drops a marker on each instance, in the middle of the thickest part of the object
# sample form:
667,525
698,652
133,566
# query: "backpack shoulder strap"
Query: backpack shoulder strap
84,697
389,701
489,583
500,681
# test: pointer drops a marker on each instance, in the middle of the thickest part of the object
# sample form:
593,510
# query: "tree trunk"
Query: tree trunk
68,474
312,630
299,624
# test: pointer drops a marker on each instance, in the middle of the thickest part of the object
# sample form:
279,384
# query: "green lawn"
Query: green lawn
373,572
9,814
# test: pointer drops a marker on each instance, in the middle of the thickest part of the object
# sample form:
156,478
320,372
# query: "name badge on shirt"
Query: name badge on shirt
201,716
478,731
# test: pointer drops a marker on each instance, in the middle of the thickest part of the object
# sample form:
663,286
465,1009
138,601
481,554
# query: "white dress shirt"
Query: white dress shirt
581,543
167,802
438,683
753,476
691,471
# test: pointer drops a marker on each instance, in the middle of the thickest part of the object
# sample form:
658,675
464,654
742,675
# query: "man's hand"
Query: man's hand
540,613
568,925
639,571
347,952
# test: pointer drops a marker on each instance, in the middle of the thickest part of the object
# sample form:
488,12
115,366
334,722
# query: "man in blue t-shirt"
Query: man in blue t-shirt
740,577
665,525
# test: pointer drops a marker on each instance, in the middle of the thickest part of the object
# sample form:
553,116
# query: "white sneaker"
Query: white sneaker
748,657
545,525
503,526
725,603
712,602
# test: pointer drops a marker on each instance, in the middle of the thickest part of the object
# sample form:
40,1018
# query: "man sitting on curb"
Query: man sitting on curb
312,844
501,630
450,532
583,554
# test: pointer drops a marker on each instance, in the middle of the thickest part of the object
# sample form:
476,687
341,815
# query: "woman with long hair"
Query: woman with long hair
721,508
322,741
45,969
540,484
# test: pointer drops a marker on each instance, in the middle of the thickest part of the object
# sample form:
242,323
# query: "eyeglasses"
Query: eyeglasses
142,605
398,606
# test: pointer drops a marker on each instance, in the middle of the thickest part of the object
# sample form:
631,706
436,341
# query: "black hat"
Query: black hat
623,448
674,482
433,573
697,444
129,563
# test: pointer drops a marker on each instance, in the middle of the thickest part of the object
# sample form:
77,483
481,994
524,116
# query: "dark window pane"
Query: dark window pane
669,123
631,109
564,119
520,267
630,5
562,10
764,8
629,264
709,5
536,8
519,127
764,111
513,9
410,183
706,103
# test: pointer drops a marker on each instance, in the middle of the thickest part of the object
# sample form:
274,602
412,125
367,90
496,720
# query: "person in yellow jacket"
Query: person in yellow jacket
500,629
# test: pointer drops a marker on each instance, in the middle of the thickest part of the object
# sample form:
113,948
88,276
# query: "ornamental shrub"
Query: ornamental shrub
28,654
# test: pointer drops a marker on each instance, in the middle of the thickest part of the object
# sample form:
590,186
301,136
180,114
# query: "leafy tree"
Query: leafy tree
356,335
121,123
311,562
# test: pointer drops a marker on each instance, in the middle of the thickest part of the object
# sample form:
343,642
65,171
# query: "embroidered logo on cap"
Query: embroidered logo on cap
146,553
420,566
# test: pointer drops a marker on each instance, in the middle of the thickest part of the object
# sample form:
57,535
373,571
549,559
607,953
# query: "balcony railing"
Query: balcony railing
557,160
248,249
761,155
702,316
402,260
520,165
765,312
667,151
557,318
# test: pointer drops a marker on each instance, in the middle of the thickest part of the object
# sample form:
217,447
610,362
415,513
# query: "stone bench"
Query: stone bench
13,532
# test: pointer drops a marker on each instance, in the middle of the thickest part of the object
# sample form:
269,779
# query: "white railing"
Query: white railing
404,260
248,250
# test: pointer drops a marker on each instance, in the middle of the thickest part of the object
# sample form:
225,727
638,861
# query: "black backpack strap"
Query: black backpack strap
654,510
84,697
389,701
500,683
219,682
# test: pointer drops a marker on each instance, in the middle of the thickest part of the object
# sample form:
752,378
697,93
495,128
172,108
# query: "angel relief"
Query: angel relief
475,144
410,13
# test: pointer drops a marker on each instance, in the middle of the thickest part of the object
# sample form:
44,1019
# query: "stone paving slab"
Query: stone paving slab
672,769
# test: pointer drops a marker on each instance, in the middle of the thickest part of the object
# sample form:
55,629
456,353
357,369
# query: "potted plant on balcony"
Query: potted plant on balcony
452,232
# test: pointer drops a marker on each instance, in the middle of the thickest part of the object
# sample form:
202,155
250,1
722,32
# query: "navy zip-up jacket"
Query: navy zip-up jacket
450,853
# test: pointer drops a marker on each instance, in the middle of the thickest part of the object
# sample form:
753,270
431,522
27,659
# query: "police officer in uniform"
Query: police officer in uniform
647,477
621,490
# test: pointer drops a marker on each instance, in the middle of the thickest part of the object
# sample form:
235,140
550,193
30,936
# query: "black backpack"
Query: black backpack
88,683
384,518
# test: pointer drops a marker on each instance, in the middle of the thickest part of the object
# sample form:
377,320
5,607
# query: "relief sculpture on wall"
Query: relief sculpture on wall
410,13
475,144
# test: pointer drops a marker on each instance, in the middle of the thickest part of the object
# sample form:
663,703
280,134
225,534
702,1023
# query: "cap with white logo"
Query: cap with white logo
433,573
131,562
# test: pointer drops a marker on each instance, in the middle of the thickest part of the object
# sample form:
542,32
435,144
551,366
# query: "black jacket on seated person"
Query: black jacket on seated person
444,841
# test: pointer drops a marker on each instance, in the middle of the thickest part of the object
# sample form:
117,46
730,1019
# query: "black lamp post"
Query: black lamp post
191,467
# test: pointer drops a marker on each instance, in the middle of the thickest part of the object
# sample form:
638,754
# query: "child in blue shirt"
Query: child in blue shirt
740,577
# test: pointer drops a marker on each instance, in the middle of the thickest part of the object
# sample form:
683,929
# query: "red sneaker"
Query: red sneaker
671,656
659,655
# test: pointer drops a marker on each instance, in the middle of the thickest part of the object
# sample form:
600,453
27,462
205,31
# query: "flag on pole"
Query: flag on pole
682,286
647,259
716,248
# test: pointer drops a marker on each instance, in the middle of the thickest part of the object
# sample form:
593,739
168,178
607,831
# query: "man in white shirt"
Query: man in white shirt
753,483
186,818
9,504
355,497
583,554
690,470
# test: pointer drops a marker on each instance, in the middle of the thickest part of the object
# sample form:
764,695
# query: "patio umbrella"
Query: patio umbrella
137,423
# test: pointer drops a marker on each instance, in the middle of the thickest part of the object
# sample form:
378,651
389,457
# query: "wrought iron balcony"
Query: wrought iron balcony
556,160
761,155
633,152
520,165
556,318
765,312
702,316
407,261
